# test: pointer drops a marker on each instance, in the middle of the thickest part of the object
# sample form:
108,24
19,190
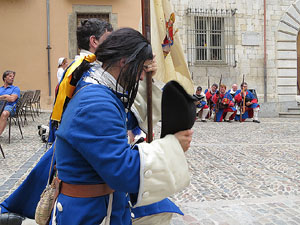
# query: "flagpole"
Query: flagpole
147,33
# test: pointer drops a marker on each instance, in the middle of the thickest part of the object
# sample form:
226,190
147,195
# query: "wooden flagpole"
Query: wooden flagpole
146,29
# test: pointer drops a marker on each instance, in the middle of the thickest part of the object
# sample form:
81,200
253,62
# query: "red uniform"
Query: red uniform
225,109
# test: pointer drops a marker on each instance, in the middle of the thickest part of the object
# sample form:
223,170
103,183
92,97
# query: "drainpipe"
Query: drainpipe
48,47
265,53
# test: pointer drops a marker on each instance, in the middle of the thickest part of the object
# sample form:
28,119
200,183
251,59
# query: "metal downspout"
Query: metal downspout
48,47
265,53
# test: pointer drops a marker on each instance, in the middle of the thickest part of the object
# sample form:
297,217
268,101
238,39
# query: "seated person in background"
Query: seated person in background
209,93
8,93
251,108
223,105
62,65
202,108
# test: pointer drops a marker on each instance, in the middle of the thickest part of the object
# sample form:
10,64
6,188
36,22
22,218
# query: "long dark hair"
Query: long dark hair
134,48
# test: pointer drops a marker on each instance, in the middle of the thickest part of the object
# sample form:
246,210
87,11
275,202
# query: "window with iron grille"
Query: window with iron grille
211,37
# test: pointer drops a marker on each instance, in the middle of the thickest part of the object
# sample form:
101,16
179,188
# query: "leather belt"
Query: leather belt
85,190
78,191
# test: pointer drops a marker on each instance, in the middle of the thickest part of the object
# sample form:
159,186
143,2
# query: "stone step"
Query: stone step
294,109
289,114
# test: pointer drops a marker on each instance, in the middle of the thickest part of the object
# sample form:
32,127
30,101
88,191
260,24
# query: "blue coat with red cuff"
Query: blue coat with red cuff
225,99
249,109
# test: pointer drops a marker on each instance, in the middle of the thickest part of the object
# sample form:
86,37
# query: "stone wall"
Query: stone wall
281,46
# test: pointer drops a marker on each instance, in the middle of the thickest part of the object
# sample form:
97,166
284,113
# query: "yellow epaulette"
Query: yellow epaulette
66,89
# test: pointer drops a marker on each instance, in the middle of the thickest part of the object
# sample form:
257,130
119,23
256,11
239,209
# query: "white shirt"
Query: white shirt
60,73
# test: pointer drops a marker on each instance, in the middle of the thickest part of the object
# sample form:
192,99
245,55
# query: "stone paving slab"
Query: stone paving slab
241,173
269,210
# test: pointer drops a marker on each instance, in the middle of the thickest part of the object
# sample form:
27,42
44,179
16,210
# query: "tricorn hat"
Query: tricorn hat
178,109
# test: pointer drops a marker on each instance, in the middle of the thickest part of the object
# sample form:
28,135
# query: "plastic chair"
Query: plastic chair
36,102
19,110
27,108
2,105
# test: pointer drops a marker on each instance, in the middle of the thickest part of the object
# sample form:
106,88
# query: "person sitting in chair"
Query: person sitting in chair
9,93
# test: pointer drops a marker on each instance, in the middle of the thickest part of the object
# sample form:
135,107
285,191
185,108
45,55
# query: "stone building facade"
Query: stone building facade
237,29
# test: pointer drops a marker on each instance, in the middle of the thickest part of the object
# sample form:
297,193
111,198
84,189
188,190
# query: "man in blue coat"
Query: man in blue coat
26,206
248,103
224,105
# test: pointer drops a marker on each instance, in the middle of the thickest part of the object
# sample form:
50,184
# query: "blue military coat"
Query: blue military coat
92,147
123,177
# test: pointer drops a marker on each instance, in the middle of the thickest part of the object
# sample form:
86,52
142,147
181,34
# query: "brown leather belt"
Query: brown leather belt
79,190
85,190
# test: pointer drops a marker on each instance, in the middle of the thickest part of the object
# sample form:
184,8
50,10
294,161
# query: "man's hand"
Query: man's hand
248,103
152,67
184,138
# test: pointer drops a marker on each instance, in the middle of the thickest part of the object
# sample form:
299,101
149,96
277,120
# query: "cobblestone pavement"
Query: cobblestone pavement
241,173
21,154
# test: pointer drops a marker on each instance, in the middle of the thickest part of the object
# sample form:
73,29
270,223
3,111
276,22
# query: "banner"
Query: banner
167,46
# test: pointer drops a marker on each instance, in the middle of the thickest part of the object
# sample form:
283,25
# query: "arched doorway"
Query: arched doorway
298,64
288,54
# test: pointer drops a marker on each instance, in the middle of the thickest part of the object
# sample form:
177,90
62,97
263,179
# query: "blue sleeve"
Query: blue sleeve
237,92
25,198
136,131
99,134
202,103
16,91
132,122
228,96
250,95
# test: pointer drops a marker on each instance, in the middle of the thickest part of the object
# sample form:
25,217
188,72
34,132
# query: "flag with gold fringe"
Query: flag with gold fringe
167,46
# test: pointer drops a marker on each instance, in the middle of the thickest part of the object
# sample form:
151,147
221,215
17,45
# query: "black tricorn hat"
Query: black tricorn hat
178,109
